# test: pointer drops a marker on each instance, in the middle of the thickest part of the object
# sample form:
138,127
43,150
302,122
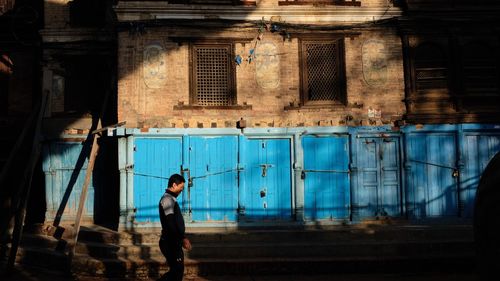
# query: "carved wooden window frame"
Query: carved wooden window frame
340,76
229,70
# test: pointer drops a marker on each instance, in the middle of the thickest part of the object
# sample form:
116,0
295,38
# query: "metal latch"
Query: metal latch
190,180
264,168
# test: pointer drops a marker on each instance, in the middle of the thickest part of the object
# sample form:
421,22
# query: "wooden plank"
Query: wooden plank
90,169
83,195
108,127
25,186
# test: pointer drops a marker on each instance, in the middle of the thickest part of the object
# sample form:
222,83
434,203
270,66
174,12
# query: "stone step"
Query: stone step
44,258
279,250
420,233
259,251
153,267
43,241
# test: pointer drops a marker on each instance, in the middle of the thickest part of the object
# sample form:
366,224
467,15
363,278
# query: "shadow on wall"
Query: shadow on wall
91,69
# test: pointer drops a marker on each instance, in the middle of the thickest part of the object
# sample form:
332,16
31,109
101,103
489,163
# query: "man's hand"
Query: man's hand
186,244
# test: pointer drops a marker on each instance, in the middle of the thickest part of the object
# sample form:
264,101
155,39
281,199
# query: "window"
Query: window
480,76
212,75
323,72
431,70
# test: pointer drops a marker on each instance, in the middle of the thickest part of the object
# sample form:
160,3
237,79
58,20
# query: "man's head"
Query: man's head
176,183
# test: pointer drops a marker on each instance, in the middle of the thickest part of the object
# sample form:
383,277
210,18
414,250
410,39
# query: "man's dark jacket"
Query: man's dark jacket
172,222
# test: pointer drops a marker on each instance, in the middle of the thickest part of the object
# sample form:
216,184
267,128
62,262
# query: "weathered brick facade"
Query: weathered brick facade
167,104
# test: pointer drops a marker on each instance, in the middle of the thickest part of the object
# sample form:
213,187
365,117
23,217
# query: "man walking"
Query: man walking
173,229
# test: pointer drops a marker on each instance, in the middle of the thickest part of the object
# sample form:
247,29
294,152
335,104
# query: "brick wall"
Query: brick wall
364,3
370,101
56,13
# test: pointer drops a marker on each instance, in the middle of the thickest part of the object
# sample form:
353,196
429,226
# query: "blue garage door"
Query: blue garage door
265,179
377,191
213,162
479,148
155,160
326,164
432,178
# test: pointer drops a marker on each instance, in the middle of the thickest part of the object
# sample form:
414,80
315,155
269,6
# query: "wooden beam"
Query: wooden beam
83,195
25,186
108,127
90,168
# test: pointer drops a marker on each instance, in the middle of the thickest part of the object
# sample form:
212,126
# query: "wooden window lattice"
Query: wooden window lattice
323,77
213,75
431,71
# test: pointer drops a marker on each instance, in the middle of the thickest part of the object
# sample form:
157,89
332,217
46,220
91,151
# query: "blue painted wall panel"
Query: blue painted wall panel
432,187
266,192
63,183
479,148
377,188
326,162
390,193
155,160
213,162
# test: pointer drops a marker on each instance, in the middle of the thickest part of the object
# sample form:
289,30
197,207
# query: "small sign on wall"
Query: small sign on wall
154,66
374,113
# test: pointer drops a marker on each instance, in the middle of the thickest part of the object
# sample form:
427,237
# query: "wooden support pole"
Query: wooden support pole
90,169
25,186
109,127
83,195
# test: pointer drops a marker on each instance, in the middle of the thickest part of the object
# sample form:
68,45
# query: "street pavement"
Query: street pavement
22,274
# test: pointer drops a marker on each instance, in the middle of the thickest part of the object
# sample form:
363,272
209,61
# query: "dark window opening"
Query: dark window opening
431,70
323,72
87,13
480,75
212,75
85,85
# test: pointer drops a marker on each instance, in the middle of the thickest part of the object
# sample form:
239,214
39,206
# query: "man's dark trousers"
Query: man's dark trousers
175,258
